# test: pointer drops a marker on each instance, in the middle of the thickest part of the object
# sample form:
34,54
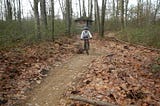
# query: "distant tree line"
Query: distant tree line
119,12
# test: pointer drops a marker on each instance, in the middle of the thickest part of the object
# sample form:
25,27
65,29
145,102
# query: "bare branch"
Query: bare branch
93,102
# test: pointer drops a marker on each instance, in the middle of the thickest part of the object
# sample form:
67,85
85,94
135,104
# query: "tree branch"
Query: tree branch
90,101
31,5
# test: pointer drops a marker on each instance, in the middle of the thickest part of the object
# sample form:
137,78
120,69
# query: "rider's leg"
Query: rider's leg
84,45
88,45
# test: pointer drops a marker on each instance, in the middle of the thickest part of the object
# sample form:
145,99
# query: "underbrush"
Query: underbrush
14,33
147,36
155,67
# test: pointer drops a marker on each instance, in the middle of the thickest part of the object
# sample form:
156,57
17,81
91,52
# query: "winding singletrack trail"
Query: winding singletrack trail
49,92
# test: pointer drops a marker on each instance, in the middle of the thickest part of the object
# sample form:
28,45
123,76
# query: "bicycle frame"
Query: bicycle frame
86,45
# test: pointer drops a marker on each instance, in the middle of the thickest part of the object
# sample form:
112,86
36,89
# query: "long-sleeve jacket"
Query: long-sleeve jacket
85,33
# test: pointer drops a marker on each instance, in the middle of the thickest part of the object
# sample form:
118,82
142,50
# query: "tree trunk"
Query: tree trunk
80,10
37,20
156,11
43,14
139,12
117,10
122,14
68,17
84,9
2,10
103,18
19,14
91,9
5,9
52,19
62,8
14,10
88,7
97,15
19,10
113,7
9,11
126,10
148,11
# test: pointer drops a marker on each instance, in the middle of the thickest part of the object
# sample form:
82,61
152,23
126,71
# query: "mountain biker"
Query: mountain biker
86,35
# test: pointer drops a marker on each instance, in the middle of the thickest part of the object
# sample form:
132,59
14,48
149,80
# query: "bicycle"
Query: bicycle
86,35
86,45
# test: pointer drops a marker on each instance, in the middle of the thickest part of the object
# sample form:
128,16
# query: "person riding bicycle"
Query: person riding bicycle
86,35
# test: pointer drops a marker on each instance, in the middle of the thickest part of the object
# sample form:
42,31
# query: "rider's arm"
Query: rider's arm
90,35
82,35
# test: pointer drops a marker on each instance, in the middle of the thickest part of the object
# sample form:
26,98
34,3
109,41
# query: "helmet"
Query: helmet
86,28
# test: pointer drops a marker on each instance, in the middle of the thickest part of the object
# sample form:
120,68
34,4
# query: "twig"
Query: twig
90,101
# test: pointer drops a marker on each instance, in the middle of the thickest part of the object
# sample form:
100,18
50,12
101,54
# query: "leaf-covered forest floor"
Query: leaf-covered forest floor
22,67
114,72
124,75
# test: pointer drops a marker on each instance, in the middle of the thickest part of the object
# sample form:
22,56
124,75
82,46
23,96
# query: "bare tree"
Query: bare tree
97,15
68,16
113,8
37,20
100,21
117,10
90,9
19,12
84,9
122,14
126,10
156,10
1,4
31,5
62,8
103,18
148,11
14,9
52,18
9,10
139,12
43,13
80,10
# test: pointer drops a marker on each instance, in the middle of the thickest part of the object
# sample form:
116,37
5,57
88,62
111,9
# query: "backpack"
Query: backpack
85,34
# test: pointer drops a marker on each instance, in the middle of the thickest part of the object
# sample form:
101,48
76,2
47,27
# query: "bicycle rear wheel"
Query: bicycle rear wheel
86,46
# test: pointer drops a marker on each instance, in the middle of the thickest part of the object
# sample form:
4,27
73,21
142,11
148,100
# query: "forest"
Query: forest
40,46
137,22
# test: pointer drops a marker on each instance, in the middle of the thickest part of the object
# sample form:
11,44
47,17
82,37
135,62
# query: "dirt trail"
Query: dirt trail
49,92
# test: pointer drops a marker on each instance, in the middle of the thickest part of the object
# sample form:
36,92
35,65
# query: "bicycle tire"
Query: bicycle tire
86,46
